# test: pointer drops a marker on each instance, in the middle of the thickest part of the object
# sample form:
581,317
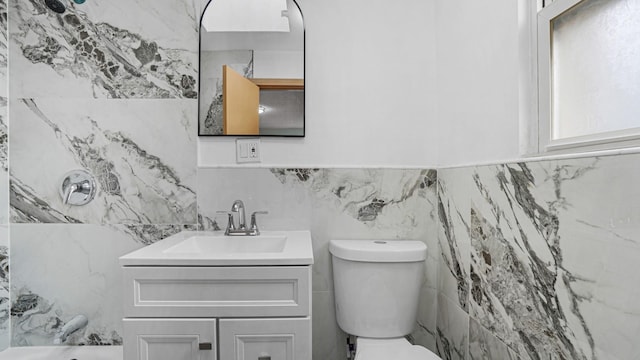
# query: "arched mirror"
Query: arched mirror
251,68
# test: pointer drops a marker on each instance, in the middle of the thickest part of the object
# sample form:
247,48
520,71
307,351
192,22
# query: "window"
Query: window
588,55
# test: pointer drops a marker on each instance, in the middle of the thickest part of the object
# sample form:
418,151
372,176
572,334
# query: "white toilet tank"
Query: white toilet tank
377,285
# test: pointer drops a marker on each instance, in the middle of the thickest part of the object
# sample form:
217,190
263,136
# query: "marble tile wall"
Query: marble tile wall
103,89
109,87
4,184
534,260
336,204
539,260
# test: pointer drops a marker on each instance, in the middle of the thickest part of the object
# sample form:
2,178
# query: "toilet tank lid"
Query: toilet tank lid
379,250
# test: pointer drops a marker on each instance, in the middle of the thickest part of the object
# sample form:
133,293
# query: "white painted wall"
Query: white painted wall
278,64
431,83
370,93
477,77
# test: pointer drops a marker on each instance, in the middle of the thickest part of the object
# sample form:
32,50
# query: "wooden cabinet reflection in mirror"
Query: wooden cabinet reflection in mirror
243,108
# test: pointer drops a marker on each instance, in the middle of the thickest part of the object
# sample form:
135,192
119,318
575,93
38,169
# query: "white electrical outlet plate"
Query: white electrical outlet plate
248,151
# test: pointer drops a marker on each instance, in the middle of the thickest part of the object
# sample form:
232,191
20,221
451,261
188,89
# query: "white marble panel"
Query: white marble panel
514,262
425,333
59,271
149,234
553,253
600,248
4,70
289,207
4,161
171,23
453,330
385,203
142,152
484,345
4,175
113,49
454,187
5,303
373,196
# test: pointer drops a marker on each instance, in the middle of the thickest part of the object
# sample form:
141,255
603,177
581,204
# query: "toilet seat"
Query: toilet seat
396,348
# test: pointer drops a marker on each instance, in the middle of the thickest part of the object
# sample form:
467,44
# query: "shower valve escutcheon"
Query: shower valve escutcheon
78,187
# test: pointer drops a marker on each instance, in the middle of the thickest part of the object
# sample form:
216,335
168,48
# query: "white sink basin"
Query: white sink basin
193,248
229,244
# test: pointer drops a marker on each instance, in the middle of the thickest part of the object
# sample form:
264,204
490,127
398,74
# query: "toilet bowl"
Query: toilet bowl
376,287
387,349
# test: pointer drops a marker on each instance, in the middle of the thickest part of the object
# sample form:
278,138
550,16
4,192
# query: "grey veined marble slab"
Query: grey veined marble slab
60,271
114,49
142,152
554,249
4,70
453,234
364,194
5,303
4,161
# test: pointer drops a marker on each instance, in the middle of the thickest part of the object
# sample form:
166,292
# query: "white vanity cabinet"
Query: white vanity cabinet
217,312
263,339
170,339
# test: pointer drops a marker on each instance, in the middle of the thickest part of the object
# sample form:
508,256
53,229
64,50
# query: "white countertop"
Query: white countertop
297,251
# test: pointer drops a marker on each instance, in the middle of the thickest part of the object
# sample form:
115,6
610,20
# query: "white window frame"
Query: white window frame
536,97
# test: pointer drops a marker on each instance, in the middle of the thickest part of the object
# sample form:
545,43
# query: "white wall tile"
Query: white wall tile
552,255
335,204
117,49
142,153
59,271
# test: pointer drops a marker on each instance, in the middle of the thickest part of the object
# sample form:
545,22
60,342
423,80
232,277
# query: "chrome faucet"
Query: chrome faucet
238,206
241,229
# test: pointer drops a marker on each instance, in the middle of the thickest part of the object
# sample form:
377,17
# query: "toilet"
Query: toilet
377,287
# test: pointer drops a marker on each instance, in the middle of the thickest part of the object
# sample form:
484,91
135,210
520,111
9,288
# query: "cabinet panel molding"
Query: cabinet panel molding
169,339
217,291
252,339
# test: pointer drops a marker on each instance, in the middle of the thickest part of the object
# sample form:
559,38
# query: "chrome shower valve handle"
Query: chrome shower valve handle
78,187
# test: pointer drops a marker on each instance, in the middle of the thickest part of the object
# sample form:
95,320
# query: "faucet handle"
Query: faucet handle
230,225
254,224
78,187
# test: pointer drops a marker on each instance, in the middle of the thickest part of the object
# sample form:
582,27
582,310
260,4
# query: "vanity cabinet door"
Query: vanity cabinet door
169,339
265,339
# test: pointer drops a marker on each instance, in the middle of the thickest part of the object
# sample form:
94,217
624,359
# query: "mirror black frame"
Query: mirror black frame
304,71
